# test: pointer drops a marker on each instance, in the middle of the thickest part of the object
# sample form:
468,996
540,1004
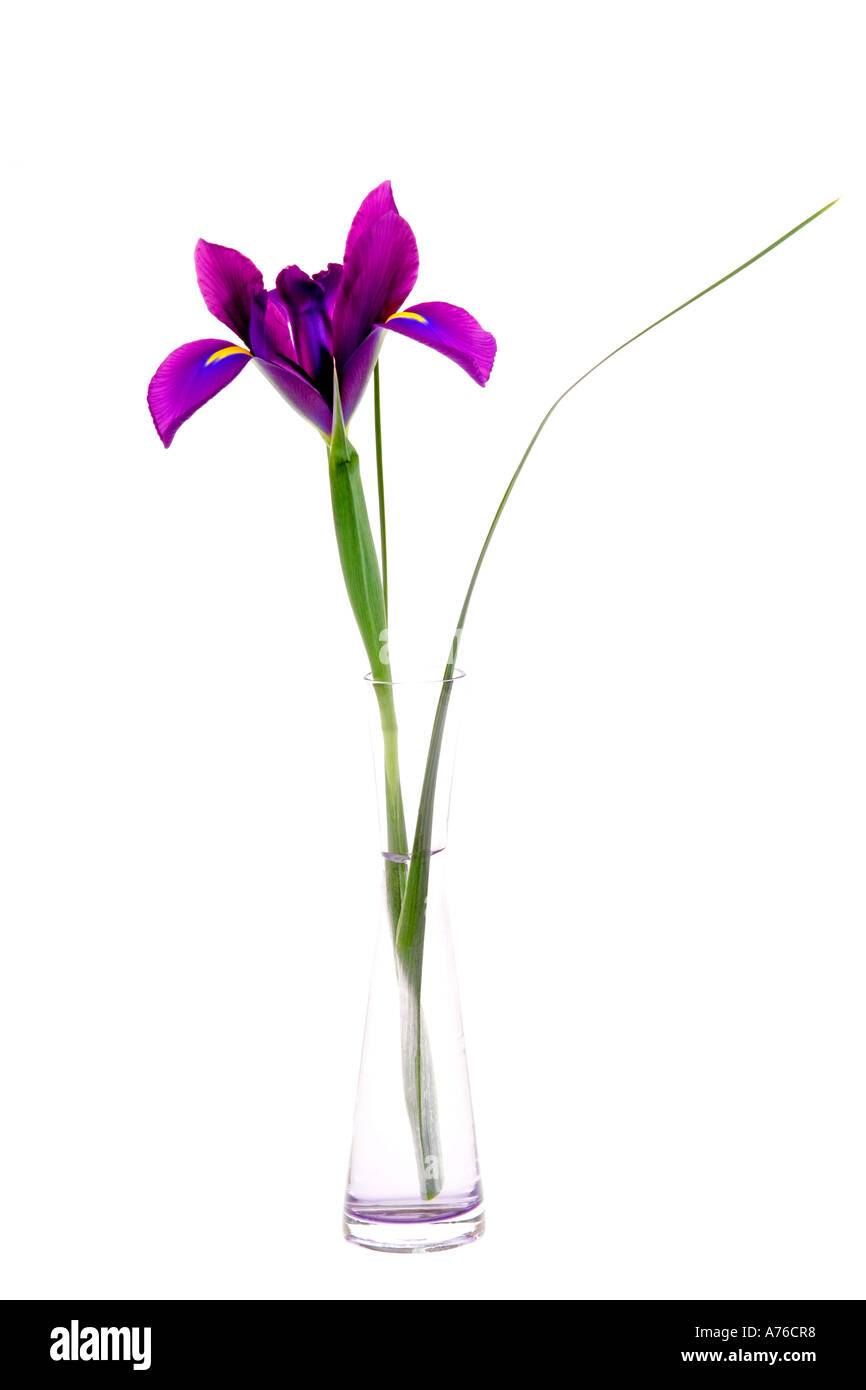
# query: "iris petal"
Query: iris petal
329,280
304,298
188,378
228,282
378,274
451,331
355,374
374,206
299,392
270,333
271,341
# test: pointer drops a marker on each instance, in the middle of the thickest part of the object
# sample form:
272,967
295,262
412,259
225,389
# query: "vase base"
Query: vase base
407,1229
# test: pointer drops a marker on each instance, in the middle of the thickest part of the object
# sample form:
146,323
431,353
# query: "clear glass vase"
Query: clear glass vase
414,1182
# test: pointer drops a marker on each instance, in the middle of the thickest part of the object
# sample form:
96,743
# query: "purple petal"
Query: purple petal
270,334
377,276
374,206
304,298
329,280
357,371
450,331
271,342
188,378
228,282
299,393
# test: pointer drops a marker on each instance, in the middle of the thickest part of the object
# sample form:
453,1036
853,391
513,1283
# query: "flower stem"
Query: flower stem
380,480
366,594
364,586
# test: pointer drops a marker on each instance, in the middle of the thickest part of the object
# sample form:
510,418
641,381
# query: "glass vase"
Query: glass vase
414,1182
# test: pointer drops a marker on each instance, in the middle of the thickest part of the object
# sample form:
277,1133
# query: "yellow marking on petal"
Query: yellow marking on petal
407,314
225,352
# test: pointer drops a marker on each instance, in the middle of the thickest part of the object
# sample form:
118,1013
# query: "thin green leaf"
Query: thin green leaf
410,932
380,482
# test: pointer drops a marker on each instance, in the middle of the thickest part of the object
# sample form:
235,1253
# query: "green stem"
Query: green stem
398,842
380,480
395,872
366,595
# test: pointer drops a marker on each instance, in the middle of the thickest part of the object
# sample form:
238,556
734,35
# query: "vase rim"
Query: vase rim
456,675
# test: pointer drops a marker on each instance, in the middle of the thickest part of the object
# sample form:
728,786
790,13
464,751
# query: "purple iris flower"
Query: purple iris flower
297,332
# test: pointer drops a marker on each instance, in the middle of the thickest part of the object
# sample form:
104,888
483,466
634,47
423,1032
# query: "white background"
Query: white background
657,882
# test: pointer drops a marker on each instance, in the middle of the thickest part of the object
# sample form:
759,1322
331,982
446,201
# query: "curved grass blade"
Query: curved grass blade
410,930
